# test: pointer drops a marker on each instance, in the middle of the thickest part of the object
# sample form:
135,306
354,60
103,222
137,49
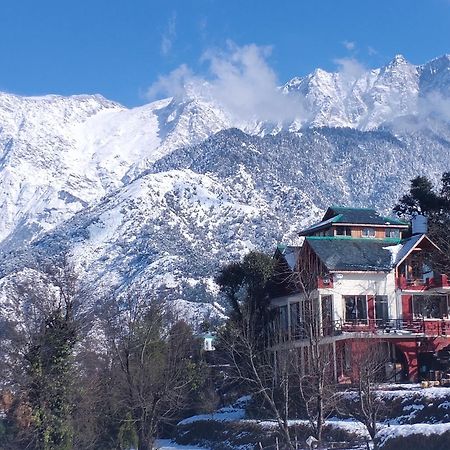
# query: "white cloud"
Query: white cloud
174,84
169,35
350,68
241,80
349,45
435,104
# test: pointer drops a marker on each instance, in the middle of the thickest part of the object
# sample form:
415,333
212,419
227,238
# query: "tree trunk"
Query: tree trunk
143,440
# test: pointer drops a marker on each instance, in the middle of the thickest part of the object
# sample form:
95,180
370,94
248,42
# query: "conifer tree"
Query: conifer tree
49,372
423,198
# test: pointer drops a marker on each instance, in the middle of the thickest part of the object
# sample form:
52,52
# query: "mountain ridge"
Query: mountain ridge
161,195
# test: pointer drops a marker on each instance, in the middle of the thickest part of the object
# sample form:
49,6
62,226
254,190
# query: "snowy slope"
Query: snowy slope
59,154
158,197
168,232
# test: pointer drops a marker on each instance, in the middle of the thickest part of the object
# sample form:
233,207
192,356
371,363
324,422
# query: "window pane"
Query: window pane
295,318
355,308
362,308
368,232
350,308
430,307
392,233
381,307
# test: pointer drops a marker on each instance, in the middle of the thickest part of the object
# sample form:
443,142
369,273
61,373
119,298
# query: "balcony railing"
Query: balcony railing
429,327
421,284
371,327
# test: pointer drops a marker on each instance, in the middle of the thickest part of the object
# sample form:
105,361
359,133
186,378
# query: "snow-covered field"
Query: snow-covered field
409,400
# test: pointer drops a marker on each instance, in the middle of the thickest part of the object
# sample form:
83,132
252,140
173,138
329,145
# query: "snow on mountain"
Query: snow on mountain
167,232
59,154
361,99
158,197
435,76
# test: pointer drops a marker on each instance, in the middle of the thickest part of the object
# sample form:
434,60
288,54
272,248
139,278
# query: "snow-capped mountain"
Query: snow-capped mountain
60,154
158,197
365,100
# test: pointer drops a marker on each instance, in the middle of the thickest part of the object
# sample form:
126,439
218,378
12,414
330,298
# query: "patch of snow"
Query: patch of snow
167,444
422,429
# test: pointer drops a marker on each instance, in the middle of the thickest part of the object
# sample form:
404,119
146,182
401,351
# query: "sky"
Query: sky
122,49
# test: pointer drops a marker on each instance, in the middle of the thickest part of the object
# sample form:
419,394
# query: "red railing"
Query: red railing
379,328
420,284
428,327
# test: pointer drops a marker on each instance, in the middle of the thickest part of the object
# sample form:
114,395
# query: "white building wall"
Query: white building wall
368,283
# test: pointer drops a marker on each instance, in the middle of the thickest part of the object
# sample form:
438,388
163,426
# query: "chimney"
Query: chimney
419,224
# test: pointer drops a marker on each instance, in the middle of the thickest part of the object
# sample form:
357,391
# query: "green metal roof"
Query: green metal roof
357,216
354,254
360,216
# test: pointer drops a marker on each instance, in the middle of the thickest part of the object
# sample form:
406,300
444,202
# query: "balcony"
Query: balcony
400,327
420,284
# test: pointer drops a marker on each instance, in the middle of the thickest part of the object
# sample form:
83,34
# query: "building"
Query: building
368,278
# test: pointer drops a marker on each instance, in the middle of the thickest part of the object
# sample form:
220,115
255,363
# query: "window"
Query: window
392,233
281,330
416,267
343,231
381,308
328,232
327,314
430,306
368,232
295,320
283,319
355,308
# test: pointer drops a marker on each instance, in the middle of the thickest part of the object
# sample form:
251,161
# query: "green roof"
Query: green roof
354,254
357,216
360,216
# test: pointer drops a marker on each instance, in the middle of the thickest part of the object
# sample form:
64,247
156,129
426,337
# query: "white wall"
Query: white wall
367,283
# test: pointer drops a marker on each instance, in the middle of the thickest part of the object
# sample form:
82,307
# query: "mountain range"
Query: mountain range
158,197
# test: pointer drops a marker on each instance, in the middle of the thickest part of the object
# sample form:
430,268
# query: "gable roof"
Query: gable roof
410,244
353,254
289,254
358,216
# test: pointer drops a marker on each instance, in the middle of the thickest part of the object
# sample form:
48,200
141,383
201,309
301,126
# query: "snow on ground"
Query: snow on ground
351,426
433,393
423,429
225,414
167,444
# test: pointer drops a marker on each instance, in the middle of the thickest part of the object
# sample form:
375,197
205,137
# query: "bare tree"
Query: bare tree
260,373
151,366
313,364
370,365
246,340
288,367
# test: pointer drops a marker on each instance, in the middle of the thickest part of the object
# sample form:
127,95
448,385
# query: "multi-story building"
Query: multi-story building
369,278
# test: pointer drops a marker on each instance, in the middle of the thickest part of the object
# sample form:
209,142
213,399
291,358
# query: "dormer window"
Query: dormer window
368,232
392,233
343,231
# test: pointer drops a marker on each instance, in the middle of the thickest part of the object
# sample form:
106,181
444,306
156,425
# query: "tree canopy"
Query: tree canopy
434,203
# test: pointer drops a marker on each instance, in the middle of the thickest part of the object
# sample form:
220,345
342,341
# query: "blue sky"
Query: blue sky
119,48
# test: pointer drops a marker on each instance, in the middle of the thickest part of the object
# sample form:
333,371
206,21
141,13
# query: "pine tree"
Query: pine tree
423,198
49,372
